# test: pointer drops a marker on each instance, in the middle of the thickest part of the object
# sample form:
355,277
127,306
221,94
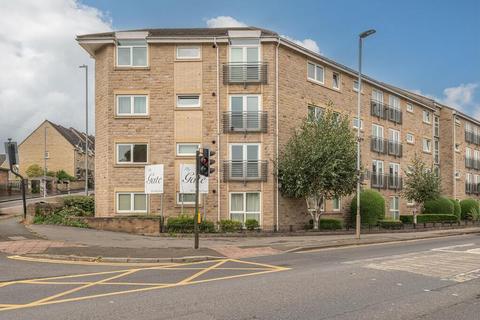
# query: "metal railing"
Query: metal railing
380,145
243,73
245,170
384,111
245,121
386,181
472,163
472,137
472,188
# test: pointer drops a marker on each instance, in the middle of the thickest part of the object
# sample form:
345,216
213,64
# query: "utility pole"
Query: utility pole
86,127
45,163
197,185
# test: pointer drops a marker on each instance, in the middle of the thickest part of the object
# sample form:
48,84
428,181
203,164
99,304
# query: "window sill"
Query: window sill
116,68
425,122
188,108
411,143
188,60
427,152
132,117
130,165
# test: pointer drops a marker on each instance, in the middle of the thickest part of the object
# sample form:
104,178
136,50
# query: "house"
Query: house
162,93
4,170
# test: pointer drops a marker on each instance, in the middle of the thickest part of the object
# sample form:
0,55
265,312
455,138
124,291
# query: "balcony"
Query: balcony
390,147
472,163
245,73
386,181
384,111
472,188
244,122
472,137
245,171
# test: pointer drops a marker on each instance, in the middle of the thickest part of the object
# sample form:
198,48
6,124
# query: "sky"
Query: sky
431,46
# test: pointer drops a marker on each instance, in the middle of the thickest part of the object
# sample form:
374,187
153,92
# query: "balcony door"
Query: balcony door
377,135
245,112
245,160
394,175
244,60
377,173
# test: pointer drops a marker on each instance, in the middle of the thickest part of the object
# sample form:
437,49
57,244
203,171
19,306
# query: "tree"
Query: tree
63,175
421,184
319,162
34,171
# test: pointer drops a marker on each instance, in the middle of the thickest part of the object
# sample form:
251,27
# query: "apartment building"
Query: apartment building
162,93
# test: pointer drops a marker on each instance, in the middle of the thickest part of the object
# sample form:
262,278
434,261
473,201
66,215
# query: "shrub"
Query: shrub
185,224
440,205
63,175
469,208
64,216
372,207
407,219
251,224
426,218
230,225
330,224
457,210
206,226
85,203
390,224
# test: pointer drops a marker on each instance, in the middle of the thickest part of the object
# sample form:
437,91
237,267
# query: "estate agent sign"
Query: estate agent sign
154,179
187,180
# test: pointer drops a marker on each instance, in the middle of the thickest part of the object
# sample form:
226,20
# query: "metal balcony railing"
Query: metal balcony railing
245,73
472,188
390,147
471,163
395,148
245,170
245,122
472,137
384,111
386,181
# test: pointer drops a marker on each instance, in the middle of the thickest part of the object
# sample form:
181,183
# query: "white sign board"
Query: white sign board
187,180
154,178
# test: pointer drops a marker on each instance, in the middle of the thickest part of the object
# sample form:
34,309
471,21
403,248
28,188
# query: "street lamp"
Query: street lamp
361,36
86,127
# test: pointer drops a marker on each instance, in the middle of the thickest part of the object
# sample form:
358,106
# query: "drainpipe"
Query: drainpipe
218,129
276,134
454,155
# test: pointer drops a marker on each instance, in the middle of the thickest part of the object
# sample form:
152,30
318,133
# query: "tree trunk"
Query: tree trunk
316,218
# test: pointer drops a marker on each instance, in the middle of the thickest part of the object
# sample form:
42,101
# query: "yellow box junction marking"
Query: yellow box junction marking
109,277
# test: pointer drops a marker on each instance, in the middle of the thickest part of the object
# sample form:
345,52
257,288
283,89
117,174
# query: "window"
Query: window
355,85
377,96
188,52
436,123
132,53
132,105
427,145
410,138
187,149
426,116
132,153
336,203
245,112
394,102
186,198
377,173
188,101
377,131
394,135
336,80
245,160
315,113
245,206
395,207
355,123
457,121
410,107
47,154
131,202
315,72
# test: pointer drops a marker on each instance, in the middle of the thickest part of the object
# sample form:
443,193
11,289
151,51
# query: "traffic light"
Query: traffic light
206,162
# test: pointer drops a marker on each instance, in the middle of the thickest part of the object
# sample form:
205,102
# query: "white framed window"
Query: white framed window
336,203
244,51
468,153
188,52
377,96
187,198
132,153
457,121
394,135
245,206
427,145
436,126
336,80
395,207
355,123
131,202
245,112
245,160
187,149
427,116
316,72
132,105
394,102
410,138
132,53
377,167
315,113
188,101
355,85
377,131
410,107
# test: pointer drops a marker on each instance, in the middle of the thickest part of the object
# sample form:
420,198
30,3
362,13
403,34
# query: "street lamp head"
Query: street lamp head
367,33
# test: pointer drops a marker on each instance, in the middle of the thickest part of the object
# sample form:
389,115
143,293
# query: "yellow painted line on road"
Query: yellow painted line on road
90,263
198,274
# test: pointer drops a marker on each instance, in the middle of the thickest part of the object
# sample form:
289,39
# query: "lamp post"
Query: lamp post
361,36
86,127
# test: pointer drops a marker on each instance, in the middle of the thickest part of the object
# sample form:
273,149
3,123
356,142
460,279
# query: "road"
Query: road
428,279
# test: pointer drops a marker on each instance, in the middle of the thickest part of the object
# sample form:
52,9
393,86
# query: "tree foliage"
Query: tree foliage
319,162
34,171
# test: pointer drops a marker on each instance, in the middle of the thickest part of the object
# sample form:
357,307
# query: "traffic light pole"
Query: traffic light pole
197,179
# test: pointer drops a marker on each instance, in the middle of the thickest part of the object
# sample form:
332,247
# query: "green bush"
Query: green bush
85,203
441,205
230,225
470,208
407,219
251,224
331,224
63,175
390,224
426,218
372,207
64,216
185,224
457,209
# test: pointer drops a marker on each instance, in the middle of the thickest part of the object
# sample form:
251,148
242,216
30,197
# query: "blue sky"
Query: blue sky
419,45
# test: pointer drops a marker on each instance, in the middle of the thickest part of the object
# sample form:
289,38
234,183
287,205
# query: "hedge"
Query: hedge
327,224
85,203
185,224
441,205
252,224
457,209
390,224
426,218
407,219
230,225
372,207
469,207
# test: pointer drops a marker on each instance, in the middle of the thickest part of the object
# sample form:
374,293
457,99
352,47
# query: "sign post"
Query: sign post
12,151
154,185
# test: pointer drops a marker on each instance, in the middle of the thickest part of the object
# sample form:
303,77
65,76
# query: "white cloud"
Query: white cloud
461,96
306,43
224,22
40,78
